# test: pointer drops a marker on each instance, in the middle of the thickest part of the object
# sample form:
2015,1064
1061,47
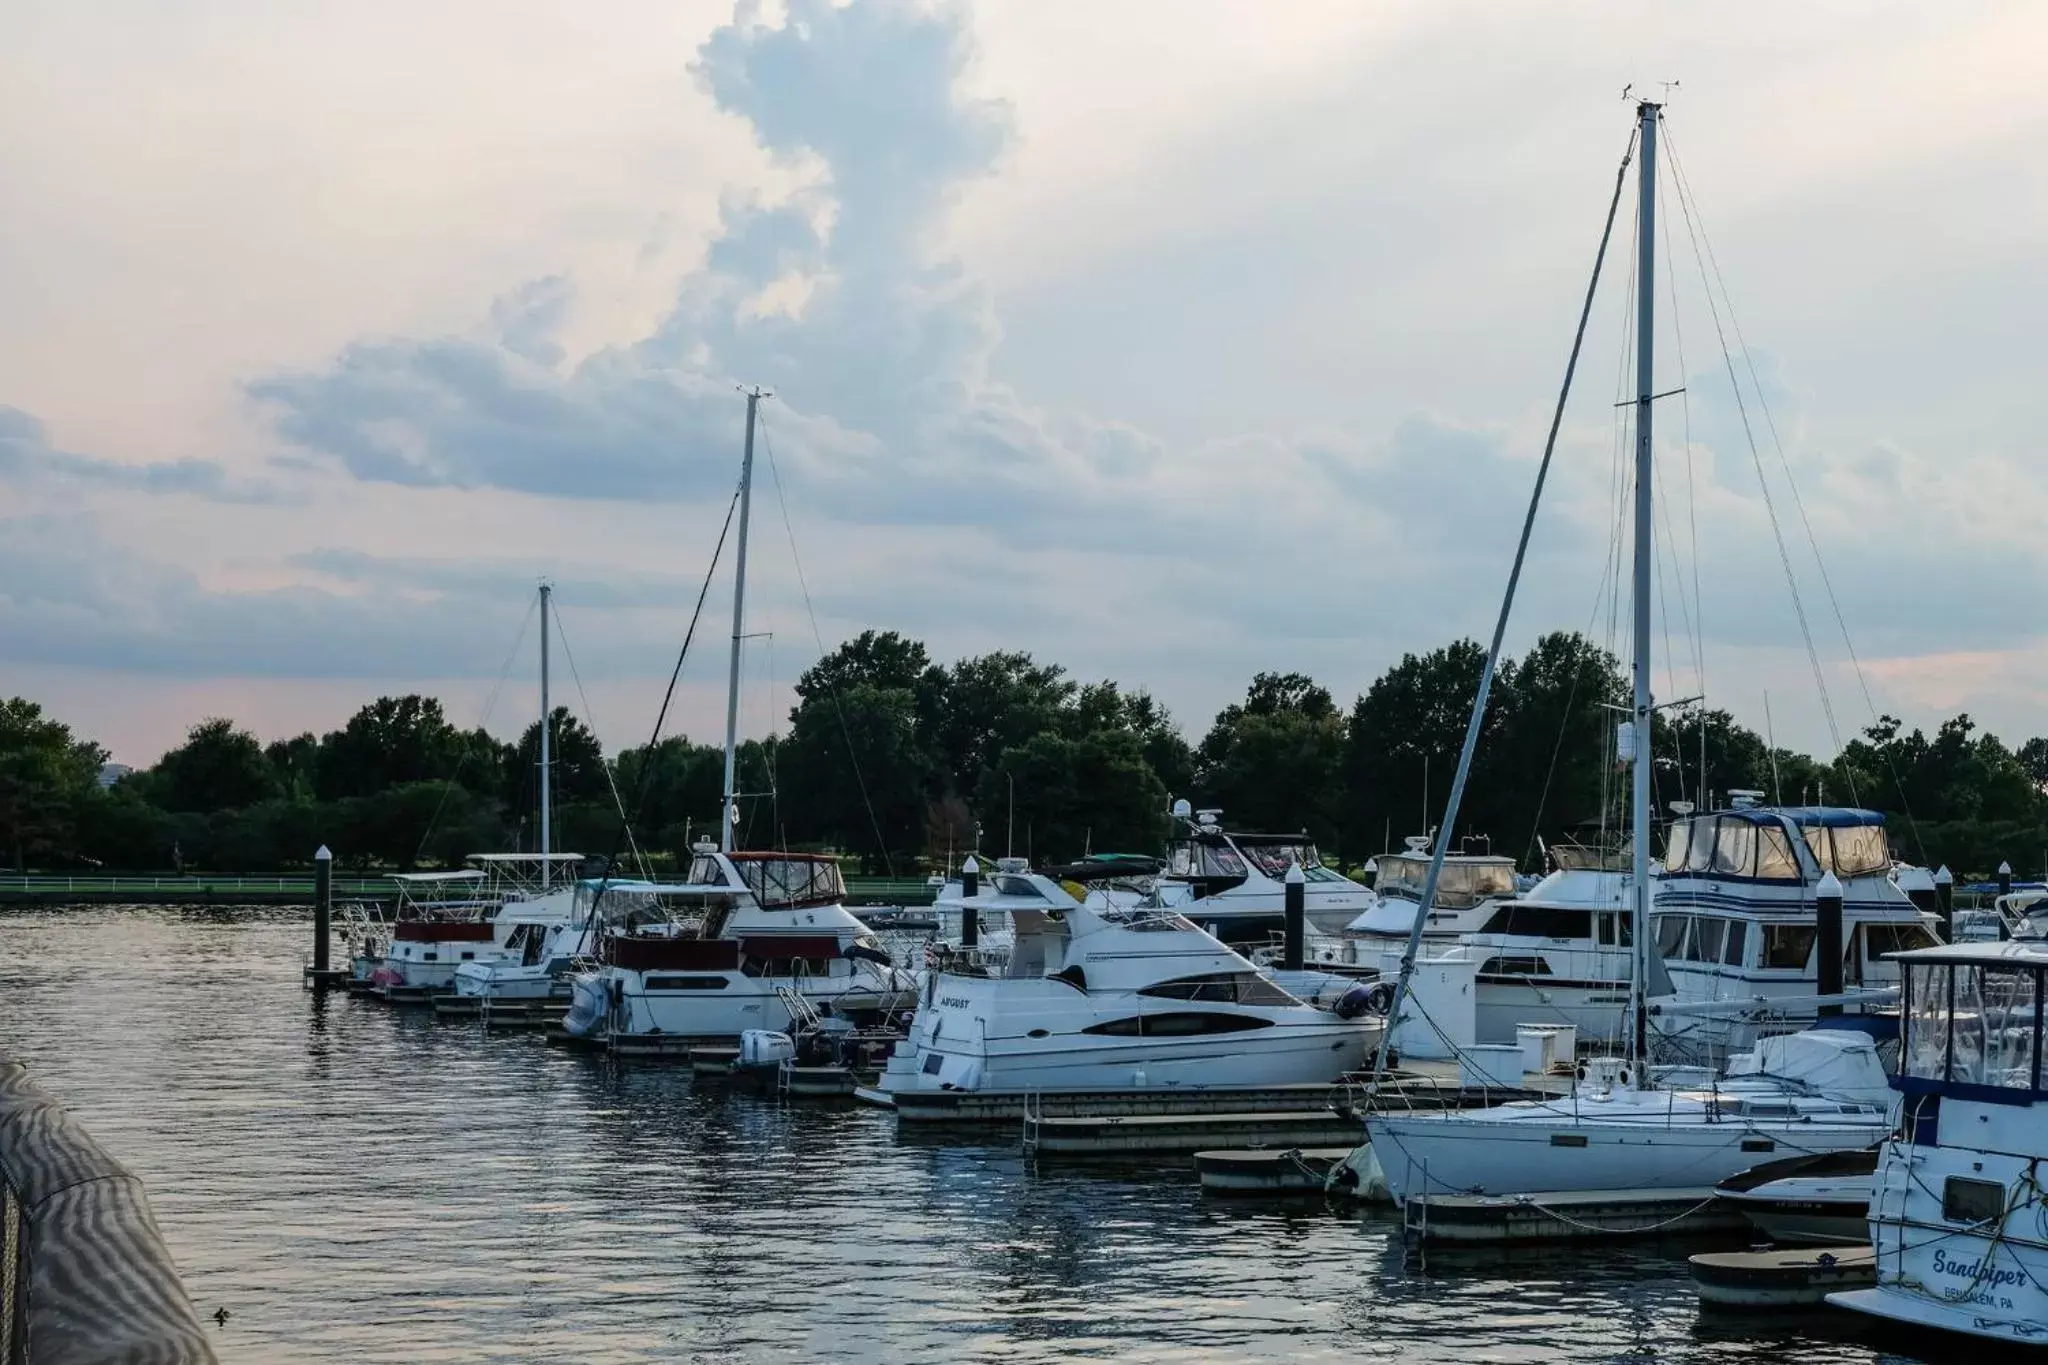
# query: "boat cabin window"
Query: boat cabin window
705,871
1879,939
1707,937
1973,1024
1615,930
1223,988
1178,1024
1191,859
1540,921
1964,1200
792,881
1787,946
1733,951
1672,933
684,983
1850,851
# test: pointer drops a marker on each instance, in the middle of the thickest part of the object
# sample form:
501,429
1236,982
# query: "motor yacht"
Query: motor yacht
1958,1215
746,942
1560,953
1470,888
1232,883
1734,921
1103,996
1819,1200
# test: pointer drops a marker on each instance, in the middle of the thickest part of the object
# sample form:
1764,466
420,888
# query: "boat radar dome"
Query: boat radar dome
704,845
1682,808
1417,843
1182,810
1209,819
1744,799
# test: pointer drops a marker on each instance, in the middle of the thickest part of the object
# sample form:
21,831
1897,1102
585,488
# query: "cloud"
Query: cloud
26,456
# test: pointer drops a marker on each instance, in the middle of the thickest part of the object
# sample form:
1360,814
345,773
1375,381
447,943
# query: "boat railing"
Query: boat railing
84,1273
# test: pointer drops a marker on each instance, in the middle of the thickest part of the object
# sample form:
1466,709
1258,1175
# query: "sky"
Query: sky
1170,340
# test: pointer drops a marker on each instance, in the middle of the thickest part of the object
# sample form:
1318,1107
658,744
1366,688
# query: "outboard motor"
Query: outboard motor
589,1002
1358,1000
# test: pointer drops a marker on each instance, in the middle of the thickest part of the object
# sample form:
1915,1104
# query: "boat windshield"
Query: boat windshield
1461,884
1857,851
777,881
1191,859
1973,1023
1275,859
1731,846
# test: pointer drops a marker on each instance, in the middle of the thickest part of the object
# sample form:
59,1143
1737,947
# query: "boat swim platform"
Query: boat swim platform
1267,1171
1566,1215
1791,1277
1124,1135
522,1014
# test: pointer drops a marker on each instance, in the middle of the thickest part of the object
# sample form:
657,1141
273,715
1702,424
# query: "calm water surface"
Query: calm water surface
357,1184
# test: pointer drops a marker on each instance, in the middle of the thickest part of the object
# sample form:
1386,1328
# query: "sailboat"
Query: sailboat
1816,1091
748,940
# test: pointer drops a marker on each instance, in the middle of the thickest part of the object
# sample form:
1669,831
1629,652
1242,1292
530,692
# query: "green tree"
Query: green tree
390,742
295,762
990,703
1276,761
1402,745
854,772
218,767
1076,795
46,777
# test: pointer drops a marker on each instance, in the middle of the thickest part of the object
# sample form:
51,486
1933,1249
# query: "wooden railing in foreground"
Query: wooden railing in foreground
85,1278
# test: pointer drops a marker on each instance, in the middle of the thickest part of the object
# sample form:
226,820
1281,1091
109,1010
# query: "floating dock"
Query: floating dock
1159,1134
1263,1171
518,1014
1566,1215
1799,1278
970,1108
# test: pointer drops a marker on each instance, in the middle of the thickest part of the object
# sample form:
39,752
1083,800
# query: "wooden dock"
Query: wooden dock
1264,1171
974,1108
1798,1278
1566,1215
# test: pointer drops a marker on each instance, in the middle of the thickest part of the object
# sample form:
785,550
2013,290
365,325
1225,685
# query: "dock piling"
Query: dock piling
1295,917
970,887
1827,913
1945,898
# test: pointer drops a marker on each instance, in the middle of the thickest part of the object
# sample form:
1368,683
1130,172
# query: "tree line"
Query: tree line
901,762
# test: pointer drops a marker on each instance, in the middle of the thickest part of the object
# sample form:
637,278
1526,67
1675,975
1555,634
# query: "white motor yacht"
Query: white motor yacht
1734,920
1098,996
1958,1214
1561,953
540,941
747,942
1232,883
441,920
1469,889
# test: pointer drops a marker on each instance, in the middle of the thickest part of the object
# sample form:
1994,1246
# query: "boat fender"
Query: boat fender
862,952
1356,1001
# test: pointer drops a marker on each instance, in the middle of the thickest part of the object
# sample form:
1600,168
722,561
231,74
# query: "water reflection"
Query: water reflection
362,1185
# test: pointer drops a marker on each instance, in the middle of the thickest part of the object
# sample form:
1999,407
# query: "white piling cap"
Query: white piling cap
323,856
2005,869
1943,876
970,865
1830,888
1295,876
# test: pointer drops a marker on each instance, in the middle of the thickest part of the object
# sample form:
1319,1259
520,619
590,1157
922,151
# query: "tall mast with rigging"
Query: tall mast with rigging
1640,712
546,753
739,601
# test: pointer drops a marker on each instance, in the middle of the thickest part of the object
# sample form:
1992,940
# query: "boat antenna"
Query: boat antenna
739,606
1472,725
547,590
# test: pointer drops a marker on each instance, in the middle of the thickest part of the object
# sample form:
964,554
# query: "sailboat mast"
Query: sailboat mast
1639,822
739,604
547,804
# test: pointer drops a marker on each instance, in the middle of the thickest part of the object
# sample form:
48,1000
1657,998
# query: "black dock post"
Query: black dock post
1827,910
1945,901
1296,912
321,975
2005,879
970,887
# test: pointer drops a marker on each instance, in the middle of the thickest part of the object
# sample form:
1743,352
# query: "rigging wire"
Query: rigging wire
661,716
1714,310
490,704
1500,627
1799,504
860,779
1698,625
590,718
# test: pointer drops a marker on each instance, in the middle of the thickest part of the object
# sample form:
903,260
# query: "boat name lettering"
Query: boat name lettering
1981,1274
953,1002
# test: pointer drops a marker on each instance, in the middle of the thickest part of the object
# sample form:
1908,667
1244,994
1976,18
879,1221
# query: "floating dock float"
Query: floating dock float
517,1014
966,1108
1799,1278
1264,1171
1566,1215
457,1006
1156,1134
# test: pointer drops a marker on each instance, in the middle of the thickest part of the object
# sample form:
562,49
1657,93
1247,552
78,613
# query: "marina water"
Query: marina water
353,1183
